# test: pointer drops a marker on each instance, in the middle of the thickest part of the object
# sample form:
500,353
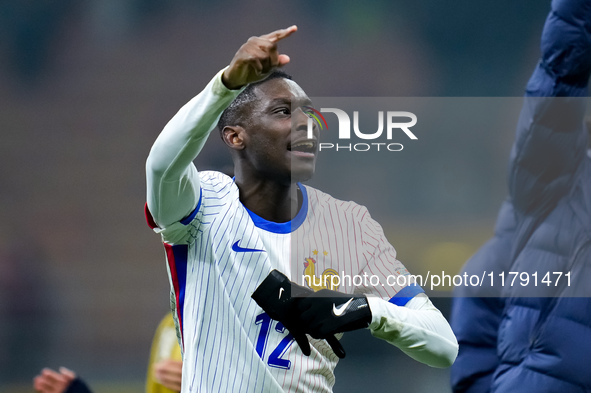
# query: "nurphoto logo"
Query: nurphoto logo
396,121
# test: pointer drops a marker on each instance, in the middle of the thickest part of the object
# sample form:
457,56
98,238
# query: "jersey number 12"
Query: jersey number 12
275,359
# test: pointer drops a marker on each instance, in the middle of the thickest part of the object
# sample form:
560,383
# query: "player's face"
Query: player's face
278,146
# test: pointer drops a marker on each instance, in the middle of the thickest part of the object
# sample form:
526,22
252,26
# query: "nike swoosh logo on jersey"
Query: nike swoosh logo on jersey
237,248
338,311
280,292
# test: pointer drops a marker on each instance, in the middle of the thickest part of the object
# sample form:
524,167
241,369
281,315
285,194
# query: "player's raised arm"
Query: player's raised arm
173,187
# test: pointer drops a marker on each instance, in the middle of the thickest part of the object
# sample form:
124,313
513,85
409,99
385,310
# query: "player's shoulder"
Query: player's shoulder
215,178
322,202
216,182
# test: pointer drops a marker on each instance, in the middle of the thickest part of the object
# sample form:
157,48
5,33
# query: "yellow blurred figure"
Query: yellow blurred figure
165,365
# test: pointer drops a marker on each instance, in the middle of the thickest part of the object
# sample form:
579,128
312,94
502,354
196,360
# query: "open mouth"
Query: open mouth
307,146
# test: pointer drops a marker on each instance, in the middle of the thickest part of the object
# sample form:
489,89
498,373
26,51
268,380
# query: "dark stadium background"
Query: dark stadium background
85,87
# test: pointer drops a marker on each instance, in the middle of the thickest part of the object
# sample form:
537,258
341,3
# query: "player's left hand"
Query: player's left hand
325,313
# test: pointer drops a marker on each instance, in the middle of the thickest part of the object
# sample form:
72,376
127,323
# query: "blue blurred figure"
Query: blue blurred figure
516,338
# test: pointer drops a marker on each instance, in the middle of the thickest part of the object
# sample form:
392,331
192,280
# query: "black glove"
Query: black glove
325,313
277,296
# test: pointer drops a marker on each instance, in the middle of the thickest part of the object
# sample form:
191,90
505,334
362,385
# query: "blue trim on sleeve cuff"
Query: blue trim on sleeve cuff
187,220
405,294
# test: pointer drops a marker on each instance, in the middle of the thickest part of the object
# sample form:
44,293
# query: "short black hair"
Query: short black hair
231,115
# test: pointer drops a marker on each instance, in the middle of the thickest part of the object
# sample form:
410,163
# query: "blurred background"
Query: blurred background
85,88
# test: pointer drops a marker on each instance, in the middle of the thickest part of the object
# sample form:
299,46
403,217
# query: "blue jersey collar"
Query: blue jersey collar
283,227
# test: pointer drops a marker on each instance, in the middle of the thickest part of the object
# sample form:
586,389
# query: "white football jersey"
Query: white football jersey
220,254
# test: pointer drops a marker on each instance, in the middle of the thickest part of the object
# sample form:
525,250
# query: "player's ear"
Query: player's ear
233,136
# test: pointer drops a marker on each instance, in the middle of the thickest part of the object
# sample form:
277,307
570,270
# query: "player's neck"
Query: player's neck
270,200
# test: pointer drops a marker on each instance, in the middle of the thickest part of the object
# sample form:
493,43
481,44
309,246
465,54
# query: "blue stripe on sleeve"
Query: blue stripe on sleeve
187,220
405,294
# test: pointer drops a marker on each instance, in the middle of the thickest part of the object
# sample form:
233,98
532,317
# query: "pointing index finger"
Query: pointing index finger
280,34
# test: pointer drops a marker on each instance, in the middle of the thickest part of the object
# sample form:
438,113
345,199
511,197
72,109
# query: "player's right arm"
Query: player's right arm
173,187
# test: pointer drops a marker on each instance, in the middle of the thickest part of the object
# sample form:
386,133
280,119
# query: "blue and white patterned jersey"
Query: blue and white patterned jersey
218,252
